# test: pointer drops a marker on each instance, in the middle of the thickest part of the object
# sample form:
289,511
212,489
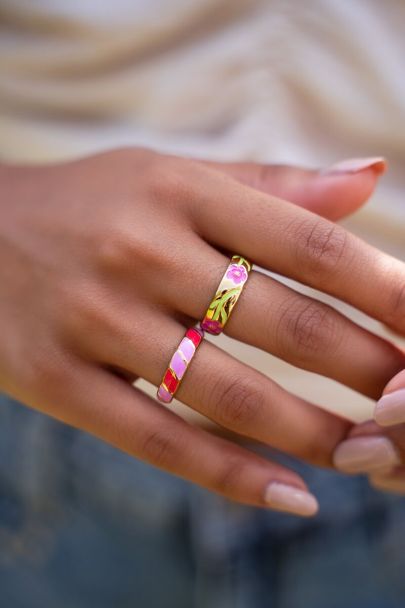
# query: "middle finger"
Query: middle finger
299,329
296,243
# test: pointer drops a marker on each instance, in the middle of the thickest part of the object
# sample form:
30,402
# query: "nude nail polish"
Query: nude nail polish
354,165
390,409
287,498
365,454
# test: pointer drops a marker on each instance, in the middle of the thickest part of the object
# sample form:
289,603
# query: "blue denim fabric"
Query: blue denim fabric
85,526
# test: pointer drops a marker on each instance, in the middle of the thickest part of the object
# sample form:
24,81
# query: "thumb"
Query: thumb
377,447
390,409
388,412
333,193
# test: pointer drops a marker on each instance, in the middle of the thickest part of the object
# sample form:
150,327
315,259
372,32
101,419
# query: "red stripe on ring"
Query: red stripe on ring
171,382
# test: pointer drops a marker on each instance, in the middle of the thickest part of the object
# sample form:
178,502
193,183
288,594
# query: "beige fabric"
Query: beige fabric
277,81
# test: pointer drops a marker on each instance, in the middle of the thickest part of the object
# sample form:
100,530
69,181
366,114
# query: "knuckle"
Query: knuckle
239,402
160,448
45,370
320,246
113,252
311,326
86,313
171,182
119,248
132,250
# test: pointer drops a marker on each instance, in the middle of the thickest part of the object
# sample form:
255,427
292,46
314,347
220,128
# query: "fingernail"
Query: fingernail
390,409
292,500
354,165
365,454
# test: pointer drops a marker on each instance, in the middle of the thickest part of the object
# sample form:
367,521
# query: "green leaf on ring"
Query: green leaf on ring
224,316
230,294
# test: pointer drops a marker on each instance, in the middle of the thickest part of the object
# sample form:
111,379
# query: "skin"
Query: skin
391,479
107,259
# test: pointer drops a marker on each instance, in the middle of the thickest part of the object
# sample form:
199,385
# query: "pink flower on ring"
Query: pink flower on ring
211,326
237,273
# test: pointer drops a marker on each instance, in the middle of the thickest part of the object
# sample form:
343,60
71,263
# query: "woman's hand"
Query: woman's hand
377,447
104,261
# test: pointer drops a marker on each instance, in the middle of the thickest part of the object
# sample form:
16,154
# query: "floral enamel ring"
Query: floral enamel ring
227,295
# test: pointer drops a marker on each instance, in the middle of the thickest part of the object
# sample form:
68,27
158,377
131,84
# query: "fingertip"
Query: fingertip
396,383
337,195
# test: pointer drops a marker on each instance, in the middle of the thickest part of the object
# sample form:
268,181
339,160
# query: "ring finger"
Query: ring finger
226,390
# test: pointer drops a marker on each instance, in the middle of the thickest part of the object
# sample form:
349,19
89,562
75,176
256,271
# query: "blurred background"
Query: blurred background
295,82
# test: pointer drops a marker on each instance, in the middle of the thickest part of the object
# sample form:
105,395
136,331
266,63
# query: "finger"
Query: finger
397,383
333,193
299,244
114,411
366,454
395,435
387,432
394,481
390,409
370,449
289,325
227,391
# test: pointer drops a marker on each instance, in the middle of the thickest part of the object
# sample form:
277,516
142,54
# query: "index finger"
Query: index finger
299,244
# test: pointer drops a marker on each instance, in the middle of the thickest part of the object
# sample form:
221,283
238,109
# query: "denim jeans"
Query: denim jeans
84,526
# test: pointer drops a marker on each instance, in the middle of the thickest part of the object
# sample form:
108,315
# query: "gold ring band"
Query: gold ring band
226,296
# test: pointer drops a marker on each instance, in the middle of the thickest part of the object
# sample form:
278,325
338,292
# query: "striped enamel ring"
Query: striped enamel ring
226,296
179,363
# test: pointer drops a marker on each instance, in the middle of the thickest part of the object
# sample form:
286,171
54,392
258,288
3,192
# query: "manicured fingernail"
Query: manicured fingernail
292,500
354,165
365,454
390,409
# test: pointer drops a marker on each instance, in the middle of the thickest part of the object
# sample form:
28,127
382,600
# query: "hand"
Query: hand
105,260
378,448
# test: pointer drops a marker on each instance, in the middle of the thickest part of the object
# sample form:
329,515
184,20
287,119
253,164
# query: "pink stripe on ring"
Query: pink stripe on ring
179,363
